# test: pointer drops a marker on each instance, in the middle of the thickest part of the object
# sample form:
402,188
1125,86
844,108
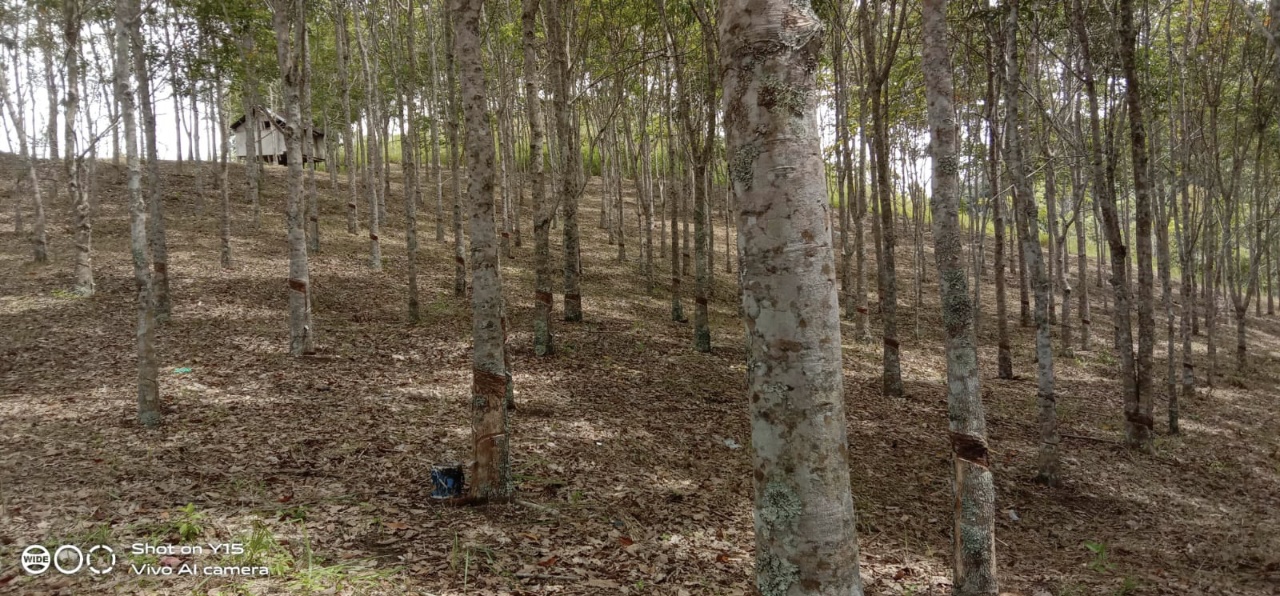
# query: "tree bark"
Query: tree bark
491,386
252,129
879,68
39,236
974,564
571,154
307,125
373,148
1138,411
806,536
81,209
409,159
543,209
1004,353
149,412
342,45
1047,461
224,186
156,227
285,14
1136,428
459,256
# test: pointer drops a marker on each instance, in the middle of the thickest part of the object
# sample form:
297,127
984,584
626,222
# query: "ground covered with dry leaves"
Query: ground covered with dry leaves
631,451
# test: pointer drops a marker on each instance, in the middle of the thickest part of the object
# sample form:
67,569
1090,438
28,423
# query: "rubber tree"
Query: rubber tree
286,20
149,413
806,538
491,387
974,564
543,209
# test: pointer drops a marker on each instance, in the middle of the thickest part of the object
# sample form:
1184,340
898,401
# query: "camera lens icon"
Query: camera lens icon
68,559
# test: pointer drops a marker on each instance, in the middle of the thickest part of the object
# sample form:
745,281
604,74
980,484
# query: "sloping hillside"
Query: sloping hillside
631,451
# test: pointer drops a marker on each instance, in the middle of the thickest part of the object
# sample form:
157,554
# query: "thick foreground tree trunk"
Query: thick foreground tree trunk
491,379
806,537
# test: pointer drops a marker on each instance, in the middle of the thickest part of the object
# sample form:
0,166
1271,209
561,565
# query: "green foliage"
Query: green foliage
1100,562
190,523
261,548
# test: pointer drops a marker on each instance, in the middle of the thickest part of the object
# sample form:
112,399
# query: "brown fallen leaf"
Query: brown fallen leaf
549,561
625,541
395,526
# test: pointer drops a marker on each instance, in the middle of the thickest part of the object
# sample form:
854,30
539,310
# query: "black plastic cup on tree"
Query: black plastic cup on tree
446,481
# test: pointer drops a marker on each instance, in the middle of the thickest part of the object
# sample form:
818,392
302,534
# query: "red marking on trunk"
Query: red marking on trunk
297,285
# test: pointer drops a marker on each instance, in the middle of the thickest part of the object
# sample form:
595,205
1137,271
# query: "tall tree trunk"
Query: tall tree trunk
156,228
224,187
1047,461
1136,429
1004,352
372,143
1163,214
51,92
1138,415
974,564
309,145
342,44
149,412
699,152
862,321
286,19
252,127
571,154
491,377
175,84
39,236
806,536
435,133
1051,217
543,209
409,157
459,256
1078,188
81,209
878,68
